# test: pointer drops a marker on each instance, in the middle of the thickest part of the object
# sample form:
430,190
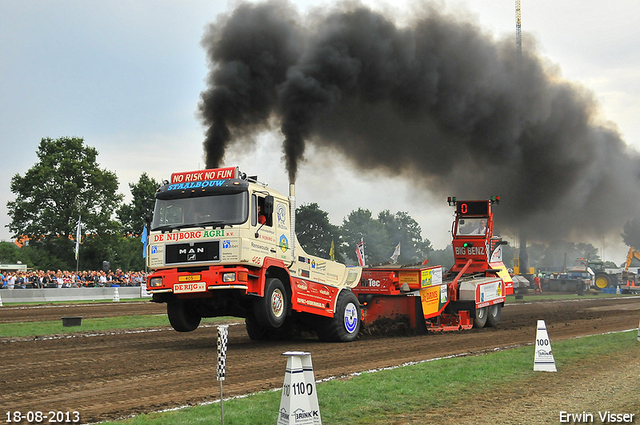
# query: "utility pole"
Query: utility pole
519,33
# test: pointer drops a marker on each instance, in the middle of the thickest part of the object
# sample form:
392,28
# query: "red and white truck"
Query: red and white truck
224,244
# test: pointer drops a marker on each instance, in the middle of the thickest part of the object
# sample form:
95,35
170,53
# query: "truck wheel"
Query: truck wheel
255,331
481,317
345,324
494,313
182,316
272,309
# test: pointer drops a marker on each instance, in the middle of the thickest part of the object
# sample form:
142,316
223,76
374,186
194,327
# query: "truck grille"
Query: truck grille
195,252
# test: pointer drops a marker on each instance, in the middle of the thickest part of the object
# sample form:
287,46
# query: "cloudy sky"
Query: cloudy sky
127,76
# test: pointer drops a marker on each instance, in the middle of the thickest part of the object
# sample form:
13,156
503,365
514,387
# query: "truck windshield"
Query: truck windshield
472,226
218,210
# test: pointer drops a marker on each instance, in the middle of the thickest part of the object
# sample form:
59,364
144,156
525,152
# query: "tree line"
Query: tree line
67,185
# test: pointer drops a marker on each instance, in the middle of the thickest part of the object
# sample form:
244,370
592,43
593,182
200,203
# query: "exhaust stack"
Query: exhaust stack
292,205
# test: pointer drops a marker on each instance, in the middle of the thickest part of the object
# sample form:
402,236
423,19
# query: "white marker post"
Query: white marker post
1,300
223,336
638,324
543,360
116,295
299,402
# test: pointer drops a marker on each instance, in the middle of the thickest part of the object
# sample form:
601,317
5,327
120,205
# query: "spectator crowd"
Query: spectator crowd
66,279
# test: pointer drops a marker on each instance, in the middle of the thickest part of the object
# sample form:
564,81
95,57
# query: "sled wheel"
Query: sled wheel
493,315
271,310
481,317
345,324
182,316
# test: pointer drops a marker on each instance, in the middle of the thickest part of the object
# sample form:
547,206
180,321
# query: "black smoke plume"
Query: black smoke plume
436,100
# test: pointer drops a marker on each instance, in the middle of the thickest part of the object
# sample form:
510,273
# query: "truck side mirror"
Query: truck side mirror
268,205
148,217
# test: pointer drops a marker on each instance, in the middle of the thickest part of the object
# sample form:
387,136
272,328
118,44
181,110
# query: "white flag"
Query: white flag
396,254
78,236
360,252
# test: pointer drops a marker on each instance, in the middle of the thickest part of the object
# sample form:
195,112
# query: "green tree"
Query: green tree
132,215
315,232
360,225
402,228
66,183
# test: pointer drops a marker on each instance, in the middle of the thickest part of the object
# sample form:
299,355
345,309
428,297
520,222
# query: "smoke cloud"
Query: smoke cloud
436,100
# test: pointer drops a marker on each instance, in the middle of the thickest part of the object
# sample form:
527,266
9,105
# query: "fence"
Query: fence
69,294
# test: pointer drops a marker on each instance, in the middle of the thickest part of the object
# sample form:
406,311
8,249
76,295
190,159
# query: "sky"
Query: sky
127,77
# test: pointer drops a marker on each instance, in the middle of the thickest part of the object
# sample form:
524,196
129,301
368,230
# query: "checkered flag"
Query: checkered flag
223,336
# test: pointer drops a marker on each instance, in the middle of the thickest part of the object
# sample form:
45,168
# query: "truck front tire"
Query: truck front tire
345,324
182,316
255,331
271,310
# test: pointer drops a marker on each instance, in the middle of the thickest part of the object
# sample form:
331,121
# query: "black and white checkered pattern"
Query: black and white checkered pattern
223,336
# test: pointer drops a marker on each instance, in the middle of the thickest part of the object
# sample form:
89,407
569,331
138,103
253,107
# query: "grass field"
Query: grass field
413,391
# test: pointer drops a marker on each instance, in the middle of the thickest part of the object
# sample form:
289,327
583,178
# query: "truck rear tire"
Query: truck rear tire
271,310
494,313
345,324
182,316
481,317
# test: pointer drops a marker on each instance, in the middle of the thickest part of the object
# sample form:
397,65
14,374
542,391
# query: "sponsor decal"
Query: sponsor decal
226,244
470,250
302,286
202,175
490,291
199,234
325,291
217,233
302,415
350,318
310,303
196,185
433,299
181,288
304,273
154,249
284,243
281,213
260,247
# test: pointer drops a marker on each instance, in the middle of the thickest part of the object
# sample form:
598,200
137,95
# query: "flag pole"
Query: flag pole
78,245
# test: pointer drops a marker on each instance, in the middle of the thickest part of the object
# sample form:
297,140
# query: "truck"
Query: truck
470,294
222,243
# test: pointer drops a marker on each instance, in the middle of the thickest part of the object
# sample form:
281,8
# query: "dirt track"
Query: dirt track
113,374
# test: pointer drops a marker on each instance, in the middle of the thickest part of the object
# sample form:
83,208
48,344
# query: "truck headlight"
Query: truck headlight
154,282
228,277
